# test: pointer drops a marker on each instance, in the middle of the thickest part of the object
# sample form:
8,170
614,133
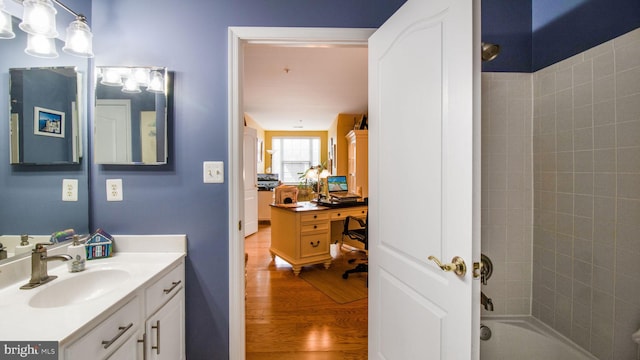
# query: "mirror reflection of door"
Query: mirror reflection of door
148,133
112,137
15,139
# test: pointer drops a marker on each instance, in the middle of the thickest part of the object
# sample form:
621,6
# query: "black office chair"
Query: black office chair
359,234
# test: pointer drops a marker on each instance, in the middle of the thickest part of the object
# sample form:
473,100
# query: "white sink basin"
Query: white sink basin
79,287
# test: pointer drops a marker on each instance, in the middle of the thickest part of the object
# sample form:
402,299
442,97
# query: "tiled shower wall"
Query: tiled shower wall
507,189
586,164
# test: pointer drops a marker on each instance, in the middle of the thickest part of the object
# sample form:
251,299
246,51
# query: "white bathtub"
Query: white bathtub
526,338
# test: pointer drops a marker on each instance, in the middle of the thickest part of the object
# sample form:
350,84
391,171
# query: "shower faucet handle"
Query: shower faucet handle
486,268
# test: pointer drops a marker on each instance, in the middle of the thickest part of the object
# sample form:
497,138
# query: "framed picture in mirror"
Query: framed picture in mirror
47,122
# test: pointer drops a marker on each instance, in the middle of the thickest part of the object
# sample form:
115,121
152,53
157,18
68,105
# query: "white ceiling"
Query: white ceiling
303,87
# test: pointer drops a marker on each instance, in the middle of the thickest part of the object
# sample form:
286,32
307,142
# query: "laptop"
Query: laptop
338,188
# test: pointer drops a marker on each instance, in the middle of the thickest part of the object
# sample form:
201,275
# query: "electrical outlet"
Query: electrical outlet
69,189
213,172
114,190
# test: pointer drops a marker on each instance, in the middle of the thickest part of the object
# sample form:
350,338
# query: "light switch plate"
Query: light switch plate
213,172
114,190
69,189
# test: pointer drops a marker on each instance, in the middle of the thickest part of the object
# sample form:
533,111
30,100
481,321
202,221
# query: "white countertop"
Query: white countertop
21,322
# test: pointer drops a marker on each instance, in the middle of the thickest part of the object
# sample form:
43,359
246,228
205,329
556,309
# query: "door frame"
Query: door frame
237,37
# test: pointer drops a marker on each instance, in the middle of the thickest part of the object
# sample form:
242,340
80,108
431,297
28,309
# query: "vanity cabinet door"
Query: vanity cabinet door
165,330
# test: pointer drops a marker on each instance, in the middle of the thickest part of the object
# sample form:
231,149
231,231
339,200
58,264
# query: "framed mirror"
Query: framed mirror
130,125
44,116
30,200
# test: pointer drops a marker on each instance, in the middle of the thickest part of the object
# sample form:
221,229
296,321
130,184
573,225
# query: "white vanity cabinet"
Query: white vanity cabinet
111,310
149,326
165,320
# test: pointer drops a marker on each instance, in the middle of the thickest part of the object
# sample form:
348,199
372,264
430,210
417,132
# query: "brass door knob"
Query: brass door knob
457,265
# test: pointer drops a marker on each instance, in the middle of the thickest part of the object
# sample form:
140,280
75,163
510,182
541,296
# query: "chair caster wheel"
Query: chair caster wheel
345,276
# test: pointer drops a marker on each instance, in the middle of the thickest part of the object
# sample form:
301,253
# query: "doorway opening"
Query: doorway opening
238,36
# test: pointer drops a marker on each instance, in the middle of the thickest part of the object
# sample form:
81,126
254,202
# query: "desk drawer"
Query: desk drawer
316,227
343,213
313,245
314,216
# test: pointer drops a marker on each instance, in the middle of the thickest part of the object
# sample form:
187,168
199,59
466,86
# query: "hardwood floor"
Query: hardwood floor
287,318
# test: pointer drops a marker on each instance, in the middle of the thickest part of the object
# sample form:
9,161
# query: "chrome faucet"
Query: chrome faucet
486,302
39,260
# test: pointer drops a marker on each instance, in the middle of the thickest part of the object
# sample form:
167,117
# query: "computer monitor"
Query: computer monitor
337,183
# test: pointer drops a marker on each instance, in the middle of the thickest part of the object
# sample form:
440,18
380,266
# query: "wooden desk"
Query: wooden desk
302,235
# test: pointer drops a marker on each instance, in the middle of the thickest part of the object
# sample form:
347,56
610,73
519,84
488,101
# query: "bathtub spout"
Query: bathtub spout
486,302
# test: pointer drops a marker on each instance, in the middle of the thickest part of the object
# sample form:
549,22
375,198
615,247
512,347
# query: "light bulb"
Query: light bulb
6,26
141,75
41,46
79,39
156,84
111,77
131,85
39,18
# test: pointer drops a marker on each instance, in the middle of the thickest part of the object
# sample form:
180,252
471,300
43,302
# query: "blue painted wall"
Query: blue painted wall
572,30
534,34
508,24
190,38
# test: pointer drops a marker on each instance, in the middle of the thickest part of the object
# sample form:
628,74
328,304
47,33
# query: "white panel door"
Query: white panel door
250,175
112,133
421,194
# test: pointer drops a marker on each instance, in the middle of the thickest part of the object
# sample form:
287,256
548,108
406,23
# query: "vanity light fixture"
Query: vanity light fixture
39,22
131,79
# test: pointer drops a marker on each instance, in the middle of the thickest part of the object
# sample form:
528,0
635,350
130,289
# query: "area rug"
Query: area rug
330,281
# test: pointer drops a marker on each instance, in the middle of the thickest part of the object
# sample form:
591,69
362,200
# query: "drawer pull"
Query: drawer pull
144,346
157,347
315,226
316,245
173,286
123,329
315,216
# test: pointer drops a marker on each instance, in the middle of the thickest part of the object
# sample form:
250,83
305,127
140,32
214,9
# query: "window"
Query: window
293,156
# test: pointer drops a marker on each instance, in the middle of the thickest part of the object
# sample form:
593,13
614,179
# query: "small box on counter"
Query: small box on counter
61,236
99,245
